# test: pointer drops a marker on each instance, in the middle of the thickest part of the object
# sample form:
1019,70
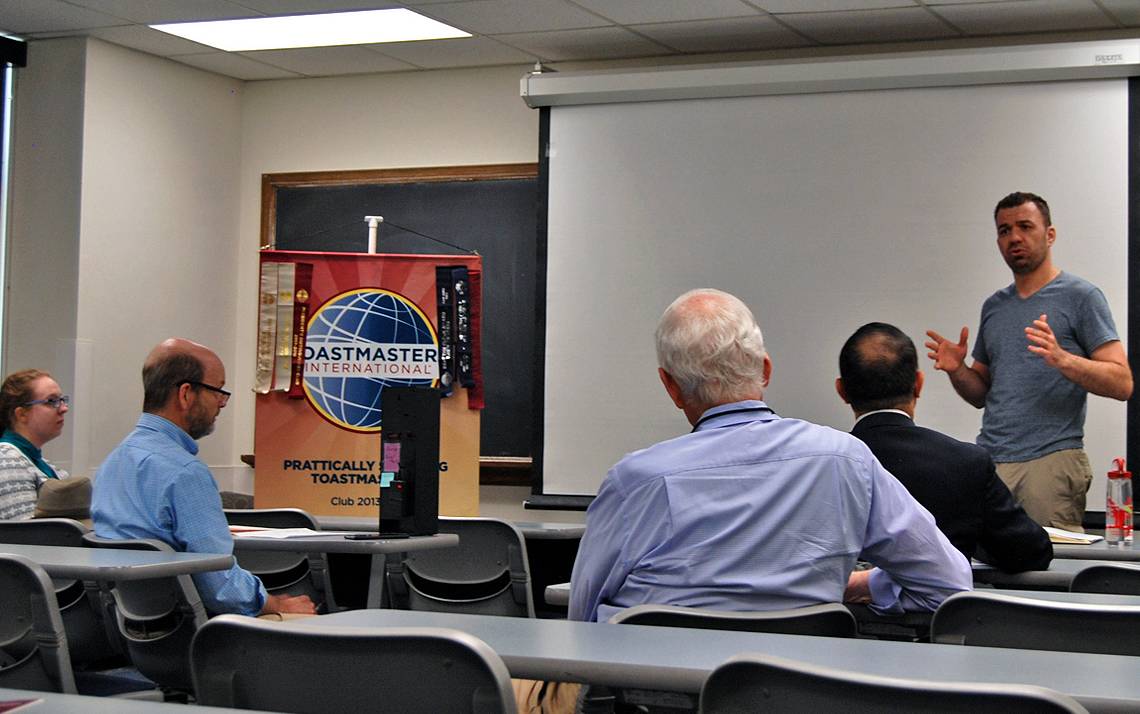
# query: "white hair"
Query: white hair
709,342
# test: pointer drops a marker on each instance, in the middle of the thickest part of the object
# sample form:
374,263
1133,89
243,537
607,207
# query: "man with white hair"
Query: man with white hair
751,511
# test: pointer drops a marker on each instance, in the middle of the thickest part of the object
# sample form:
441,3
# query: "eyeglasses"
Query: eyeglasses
217,390
53,402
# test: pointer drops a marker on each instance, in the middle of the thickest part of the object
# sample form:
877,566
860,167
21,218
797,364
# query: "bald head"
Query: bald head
708,342
171,363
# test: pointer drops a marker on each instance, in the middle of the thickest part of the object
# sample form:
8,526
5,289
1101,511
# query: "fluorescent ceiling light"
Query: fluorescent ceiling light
337,28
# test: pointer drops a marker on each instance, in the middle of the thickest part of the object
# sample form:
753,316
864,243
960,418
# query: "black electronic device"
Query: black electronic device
409,457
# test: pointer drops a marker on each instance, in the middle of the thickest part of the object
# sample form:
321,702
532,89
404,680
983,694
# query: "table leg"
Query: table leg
376,575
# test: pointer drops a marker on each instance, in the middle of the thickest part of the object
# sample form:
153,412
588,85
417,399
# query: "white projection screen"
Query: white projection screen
822,212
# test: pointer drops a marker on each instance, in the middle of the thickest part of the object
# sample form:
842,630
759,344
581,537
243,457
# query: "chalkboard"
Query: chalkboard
490,210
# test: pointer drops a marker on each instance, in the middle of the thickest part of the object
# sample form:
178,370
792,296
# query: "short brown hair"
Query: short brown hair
16,391
165,375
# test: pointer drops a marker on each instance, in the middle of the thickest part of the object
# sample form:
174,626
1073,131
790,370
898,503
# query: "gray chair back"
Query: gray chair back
285,573
1118,579
827,619
246,663
33,646
156,618
486,574
993,619
88,638
755,682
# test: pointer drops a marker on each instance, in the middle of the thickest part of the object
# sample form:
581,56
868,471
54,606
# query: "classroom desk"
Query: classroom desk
337,543
56,703
679,659
551,549
559,594
1057,577
529,529
1097,551
1066,596
105,564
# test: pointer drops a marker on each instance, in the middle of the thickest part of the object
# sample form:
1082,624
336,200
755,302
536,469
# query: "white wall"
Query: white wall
158,251
43,257
127,235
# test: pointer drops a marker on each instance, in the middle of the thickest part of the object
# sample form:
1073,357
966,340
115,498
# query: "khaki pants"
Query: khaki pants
538,697
1052,488
283,616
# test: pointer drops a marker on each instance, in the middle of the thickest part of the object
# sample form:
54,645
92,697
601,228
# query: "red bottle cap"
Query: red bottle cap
1120,471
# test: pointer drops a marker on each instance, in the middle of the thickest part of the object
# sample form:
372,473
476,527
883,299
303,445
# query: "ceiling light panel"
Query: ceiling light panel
327,30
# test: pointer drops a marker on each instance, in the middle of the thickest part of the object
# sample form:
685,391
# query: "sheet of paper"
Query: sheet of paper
1057,535
284,533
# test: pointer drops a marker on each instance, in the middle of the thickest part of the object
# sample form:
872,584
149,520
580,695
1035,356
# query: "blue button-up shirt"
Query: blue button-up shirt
154,486
755,512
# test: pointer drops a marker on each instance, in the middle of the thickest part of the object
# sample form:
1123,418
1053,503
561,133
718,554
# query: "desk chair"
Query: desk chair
157,618
486,574
33,646
992,619
285,573
246,663
1121,579
90,640
755,682
826,620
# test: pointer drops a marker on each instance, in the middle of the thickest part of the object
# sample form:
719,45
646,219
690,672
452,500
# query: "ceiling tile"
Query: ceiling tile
155,11
632,12
492,17
144,39
305,7
781,6
1126,11
841,28
739,34
1025,16
236,66
584,44
464,52
965,2
327,61
21,17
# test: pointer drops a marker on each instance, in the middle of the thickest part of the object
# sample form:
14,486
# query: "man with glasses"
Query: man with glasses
153,485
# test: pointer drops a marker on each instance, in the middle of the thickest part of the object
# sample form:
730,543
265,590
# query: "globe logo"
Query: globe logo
360,342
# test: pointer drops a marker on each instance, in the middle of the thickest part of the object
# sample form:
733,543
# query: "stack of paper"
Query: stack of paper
1057,535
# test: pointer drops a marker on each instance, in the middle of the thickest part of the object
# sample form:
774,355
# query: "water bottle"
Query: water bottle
1118,506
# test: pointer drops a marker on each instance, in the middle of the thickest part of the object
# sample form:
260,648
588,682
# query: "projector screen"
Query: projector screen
822,212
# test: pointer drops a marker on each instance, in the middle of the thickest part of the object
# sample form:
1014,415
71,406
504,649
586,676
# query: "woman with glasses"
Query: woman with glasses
31,414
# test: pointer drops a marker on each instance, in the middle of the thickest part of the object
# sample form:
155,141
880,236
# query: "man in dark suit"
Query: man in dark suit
954,480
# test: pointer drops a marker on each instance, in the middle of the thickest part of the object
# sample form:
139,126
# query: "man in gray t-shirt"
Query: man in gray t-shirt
1044,343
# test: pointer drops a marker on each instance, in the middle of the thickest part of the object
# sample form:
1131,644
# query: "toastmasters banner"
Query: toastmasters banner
357,323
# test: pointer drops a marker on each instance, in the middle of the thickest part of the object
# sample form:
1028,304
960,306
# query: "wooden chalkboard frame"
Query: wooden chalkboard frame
300,179
493,470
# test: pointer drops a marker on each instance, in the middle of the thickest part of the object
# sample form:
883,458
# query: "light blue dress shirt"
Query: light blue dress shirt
153,485
755,512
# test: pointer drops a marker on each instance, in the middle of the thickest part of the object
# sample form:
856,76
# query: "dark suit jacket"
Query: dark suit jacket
958,484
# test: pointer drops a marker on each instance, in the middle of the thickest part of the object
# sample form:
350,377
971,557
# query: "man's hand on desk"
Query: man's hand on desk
296,604
858,590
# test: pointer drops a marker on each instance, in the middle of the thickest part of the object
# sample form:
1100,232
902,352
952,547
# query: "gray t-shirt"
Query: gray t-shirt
1031,409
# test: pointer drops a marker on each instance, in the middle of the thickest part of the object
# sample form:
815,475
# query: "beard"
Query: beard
200,423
